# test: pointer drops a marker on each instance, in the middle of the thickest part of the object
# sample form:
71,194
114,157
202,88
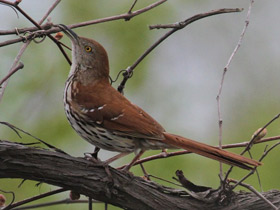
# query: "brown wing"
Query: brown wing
113,111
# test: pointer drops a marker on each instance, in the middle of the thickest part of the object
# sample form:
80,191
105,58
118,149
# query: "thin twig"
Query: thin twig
257,133
181,25
13,196
165,180
37,197
54,203
220,121
252,189
252,172
251,141
32,34
125,16
11,72
53,6
132,6
21,51
17,31
38,25
24,46
257,173
267,151
14,128
183,152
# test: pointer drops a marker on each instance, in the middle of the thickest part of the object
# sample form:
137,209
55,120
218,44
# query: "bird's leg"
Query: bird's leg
127,167
95,153
116,157
93,156
146,175
164,152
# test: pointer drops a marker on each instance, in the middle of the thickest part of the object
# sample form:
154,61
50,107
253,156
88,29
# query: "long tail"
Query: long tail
210,151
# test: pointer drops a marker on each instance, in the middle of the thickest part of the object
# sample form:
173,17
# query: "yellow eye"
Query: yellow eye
88,49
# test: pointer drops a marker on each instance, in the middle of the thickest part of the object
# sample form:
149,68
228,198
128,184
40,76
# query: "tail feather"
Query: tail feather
210,151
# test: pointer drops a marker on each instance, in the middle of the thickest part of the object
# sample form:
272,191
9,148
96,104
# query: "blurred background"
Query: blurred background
177,83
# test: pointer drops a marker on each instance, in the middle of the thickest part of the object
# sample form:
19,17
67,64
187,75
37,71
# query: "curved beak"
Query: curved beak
70,33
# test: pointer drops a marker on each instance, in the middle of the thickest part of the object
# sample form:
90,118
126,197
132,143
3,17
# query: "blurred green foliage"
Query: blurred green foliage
33,98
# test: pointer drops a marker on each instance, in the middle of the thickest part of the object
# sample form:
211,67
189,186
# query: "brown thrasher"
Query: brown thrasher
106,119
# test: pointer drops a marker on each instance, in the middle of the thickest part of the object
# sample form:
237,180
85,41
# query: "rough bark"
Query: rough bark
91,179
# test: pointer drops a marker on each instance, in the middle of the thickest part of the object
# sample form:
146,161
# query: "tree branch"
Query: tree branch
11,206
24,46
218,97
91,179
183,152
11,72
46,27
175,27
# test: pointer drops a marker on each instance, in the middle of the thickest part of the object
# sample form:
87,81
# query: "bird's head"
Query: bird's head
88,55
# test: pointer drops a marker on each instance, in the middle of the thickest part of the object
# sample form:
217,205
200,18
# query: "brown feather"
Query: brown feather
210,151
117,111
142,125
92,106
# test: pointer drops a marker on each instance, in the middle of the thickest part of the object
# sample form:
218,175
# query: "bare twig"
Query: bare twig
252,189
13,196
164,180
183,152
21,51
125,16
251,141
16,129
12,41
53,6
64,201
24,46
257,173
11,72
181,25
38,25
250,145
252,172
34,198
17,31
13,9
267,151
220,121
132,6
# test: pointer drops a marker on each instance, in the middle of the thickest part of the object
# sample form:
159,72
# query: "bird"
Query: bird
107,119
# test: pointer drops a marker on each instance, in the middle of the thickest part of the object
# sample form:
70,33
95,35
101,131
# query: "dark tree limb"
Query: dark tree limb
91,179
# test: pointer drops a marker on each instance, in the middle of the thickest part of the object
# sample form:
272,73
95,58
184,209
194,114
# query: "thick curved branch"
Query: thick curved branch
92,179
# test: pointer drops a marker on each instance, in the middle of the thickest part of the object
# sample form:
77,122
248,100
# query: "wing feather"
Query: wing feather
114,112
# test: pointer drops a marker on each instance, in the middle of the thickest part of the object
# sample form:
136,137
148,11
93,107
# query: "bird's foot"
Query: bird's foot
90,157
